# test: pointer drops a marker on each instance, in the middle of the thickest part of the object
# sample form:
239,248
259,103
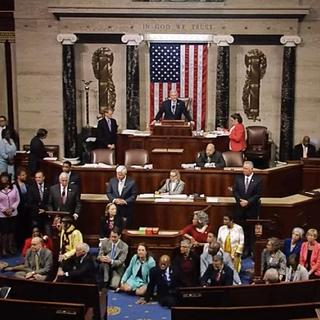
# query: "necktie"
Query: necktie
305,152
120,186
218,275
109,124
113,251
173,108
246,185
36,262
41,191
63,195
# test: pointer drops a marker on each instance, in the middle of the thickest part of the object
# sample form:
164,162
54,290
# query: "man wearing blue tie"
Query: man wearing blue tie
107,130
173,109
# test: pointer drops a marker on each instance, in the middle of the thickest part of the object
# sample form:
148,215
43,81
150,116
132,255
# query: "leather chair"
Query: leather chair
136,157
103,155
258,148
233,158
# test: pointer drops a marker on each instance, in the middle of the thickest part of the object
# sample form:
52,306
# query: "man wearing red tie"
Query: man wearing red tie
64,197
247,192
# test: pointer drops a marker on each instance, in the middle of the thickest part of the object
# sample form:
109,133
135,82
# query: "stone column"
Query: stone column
222,84
133,99
288,96
69,95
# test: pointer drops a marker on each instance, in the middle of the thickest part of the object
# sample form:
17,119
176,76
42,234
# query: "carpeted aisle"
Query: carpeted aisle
123,306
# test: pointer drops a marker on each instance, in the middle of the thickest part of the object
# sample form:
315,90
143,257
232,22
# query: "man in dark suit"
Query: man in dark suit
37,150
173,109
79,268
107,130
247,193
65,197
162,278
217,274
211,158
122,191
304,149
37,202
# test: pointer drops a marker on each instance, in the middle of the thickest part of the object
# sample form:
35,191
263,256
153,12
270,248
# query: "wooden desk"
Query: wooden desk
165,242
211,182
87,294
172,129
287,213
311,173
190,145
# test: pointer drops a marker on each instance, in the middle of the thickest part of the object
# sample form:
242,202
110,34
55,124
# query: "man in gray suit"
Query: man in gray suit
112,255
37,264
122,191
65,197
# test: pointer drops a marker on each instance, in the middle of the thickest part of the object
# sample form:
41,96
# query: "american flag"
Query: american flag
182,67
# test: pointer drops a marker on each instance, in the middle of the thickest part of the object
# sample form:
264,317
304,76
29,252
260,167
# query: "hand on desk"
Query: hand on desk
152,122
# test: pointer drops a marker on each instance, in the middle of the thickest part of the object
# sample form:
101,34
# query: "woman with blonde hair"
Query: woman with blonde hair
174,184
310,254
109,220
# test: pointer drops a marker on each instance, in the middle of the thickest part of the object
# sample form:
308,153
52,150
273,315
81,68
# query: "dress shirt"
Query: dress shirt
305,151
173,107
40,186
121,185
64,193
109,123
173,185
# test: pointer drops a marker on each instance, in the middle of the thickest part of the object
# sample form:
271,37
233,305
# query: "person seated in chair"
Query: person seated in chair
173,185
211,158
304,149
173,109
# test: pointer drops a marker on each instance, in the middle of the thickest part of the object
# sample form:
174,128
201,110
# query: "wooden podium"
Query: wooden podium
172,128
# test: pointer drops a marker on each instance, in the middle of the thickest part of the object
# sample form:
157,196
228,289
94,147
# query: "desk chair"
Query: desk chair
233,158
103,155
136,157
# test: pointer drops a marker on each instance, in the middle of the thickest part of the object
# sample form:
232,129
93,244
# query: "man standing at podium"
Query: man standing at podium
173,109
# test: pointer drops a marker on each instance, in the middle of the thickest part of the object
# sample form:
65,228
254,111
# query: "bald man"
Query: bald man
211,158
162,278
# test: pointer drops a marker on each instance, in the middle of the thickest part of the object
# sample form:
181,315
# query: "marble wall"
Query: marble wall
39,61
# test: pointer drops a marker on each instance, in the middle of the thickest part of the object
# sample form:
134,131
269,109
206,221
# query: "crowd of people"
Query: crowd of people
30,208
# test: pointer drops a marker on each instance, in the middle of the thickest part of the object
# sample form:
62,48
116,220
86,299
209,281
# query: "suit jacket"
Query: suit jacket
45,261
210,277
315,257
253,196
72,203
168,115
215,158
298,151
37,153
120,254
237,138
79,271
104,135
178,189
34,200
158,280
287,247
129,191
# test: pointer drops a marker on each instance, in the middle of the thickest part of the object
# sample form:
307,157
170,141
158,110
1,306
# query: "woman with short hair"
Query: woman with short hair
310,254
293,245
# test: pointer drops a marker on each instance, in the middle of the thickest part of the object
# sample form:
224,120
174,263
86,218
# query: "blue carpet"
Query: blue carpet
123,306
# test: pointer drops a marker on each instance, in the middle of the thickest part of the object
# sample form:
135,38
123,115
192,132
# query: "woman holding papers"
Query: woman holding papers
173,185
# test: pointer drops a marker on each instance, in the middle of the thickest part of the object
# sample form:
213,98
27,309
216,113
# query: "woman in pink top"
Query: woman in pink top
310,254
237,133
9,201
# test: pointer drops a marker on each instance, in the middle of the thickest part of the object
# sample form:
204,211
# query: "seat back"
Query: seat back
233,158
136,157
103,155
257,139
